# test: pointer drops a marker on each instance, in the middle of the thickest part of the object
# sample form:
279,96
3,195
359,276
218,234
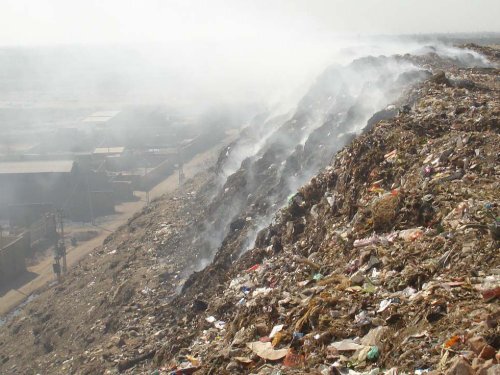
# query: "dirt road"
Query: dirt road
42,272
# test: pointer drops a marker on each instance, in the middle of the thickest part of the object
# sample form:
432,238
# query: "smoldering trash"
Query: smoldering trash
362,237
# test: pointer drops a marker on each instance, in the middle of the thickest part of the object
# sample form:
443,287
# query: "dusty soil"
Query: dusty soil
41,273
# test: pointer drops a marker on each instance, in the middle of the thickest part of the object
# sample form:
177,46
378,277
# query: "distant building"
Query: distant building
24,215
57,182
112,159
36,167
28,182
100,119
12,252
108,151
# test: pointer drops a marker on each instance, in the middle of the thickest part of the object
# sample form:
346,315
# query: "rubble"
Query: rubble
386,261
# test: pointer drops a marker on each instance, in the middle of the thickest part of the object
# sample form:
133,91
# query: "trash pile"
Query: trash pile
103,307
387,261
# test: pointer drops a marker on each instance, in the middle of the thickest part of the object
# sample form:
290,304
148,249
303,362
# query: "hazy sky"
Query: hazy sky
220,50
24,22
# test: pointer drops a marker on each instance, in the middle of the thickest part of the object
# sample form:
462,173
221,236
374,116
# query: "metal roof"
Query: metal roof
108,150
101,116
37,166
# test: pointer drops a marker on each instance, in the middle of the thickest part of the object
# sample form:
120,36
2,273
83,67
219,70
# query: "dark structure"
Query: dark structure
24,215
60,183
12,253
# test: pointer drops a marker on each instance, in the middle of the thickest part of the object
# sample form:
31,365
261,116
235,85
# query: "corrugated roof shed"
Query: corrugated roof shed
101,116
108,150
37,166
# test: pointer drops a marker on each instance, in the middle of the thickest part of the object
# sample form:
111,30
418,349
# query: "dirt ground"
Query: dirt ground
41,274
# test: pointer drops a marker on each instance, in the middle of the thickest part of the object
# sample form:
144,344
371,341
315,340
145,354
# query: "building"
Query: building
60,183
35,181
101,116
100,119
108,151
24,215
12,252
111,159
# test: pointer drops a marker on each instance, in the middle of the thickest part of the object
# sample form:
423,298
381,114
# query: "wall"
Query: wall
123,191
42,234
39,188
24,215
12,252
158,174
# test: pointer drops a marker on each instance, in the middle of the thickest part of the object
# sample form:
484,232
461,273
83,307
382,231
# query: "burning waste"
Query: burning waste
358,234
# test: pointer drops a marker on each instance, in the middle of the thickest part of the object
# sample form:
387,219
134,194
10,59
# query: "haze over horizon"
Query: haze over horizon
194,51
28,23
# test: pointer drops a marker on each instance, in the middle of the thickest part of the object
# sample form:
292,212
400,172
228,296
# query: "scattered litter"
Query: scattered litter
266,351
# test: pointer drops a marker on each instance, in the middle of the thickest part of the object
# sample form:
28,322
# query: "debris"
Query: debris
460,367
244,360
373,354
275,330
128,363
491,294
388,254
346,345
293,359
384,304
410,234
253,268
266,351
357,278
451,341
317,277
391,156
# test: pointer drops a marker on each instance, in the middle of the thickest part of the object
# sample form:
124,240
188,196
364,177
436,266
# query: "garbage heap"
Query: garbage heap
111,312
387,261
101,311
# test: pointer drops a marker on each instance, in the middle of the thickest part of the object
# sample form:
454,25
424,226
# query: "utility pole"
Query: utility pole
62,244
180,166
89,196
56,267
59,248
146,186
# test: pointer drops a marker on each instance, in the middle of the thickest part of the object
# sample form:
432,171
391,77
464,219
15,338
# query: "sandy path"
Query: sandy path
43,269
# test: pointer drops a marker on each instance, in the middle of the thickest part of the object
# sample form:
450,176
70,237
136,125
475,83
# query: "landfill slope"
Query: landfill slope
387,259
